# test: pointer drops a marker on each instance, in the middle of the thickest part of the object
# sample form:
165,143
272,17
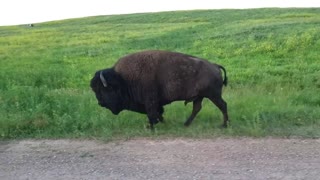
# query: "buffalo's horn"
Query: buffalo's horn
103,80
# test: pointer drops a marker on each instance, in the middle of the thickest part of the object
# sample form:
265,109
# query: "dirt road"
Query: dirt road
161,159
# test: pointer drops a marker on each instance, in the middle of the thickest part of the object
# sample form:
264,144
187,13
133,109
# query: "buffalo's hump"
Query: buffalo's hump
176,76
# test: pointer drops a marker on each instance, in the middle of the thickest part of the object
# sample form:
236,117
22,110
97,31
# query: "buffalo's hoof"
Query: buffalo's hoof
224,126
151,127
161,120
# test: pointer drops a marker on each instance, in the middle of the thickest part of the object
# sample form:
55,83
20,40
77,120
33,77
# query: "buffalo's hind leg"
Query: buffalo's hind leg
196,108
222,105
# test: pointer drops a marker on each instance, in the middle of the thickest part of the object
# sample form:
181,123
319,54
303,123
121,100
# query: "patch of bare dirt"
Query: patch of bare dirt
161,159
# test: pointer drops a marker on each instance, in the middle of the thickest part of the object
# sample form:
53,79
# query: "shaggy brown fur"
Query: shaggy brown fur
155,78
176,76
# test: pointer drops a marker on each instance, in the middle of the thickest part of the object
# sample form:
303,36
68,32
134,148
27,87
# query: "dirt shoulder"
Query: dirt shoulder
161,159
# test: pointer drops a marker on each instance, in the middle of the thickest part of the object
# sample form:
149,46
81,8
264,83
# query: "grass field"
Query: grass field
272,57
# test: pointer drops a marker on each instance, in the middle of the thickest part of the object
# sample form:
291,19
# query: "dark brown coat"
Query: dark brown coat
149,80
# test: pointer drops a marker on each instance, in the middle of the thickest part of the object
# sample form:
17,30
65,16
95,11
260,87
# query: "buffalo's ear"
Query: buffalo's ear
113,80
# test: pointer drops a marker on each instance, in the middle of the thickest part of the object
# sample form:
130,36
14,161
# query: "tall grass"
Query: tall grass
271,57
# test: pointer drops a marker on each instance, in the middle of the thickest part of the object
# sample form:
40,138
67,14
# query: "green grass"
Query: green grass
271,56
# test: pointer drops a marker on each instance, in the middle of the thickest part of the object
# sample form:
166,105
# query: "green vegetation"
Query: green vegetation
271,57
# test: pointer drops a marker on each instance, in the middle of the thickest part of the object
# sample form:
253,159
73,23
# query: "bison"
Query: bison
146,81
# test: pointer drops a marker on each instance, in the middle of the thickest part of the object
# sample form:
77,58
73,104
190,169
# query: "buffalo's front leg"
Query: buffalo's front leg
160,111
153,109
153,116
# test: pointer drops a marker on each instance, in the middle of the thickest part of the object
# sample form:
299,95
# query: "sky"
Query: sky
14,12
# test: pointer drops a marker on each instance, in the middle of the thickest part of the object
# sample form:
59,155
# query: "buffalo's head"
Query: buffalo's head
107,86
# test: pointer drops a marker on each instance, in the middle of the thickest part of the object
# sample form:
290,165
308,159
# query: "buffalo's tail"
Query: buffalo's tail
225,81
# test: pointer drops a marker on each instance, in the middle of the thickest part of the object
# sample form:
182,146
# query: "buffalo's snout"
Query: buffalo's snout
102,104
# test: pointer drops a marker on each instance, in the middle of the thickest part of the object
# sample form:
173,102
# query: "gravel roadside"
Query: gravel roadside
238,158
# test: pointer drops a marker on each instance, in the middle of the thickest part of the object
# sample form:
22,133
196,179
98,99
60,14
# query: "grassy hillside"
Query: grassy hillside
271,56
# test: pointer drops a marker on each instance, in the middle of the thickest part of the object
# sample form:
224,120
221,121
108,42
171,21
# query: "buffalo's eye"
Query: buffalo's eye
108,88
